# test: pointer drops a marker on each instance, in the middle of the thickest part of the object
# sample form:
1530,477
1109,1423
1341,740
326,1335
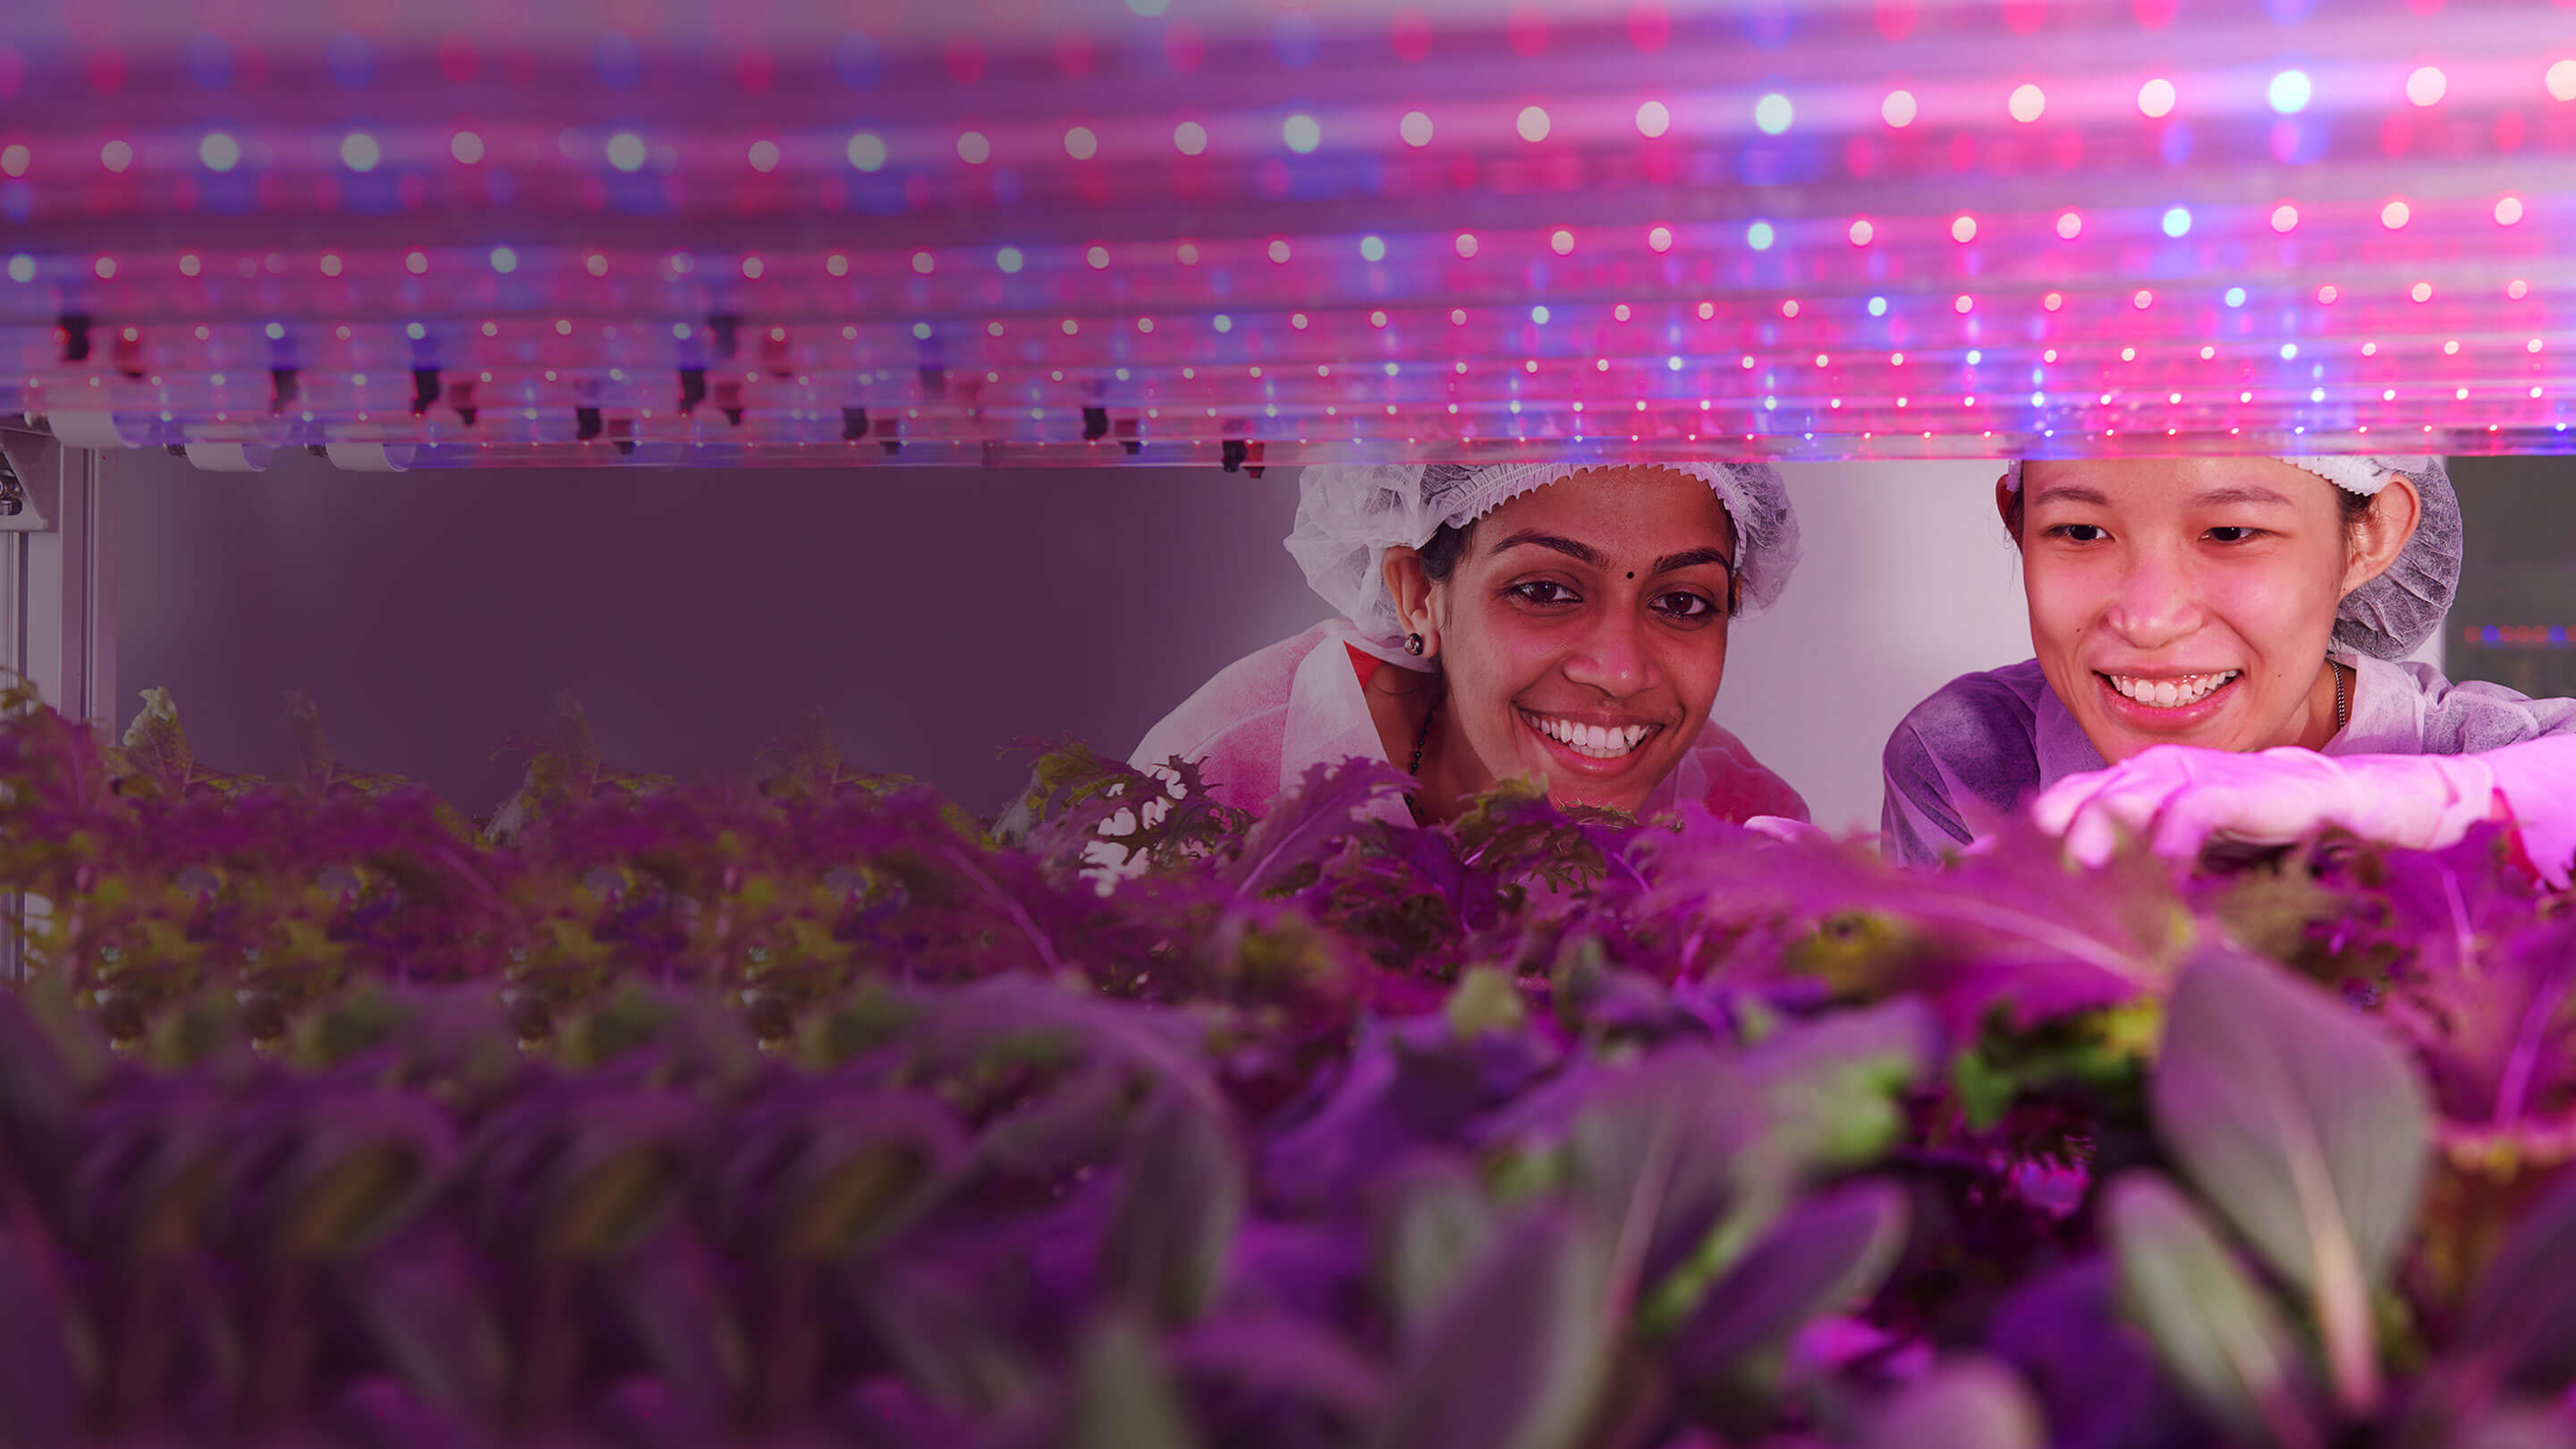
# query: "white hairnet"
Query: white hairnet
1349,515
2393,614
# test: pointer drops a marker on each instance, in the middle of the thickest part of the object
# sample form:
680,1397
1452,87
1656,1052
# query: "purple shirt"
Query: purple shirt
1987,743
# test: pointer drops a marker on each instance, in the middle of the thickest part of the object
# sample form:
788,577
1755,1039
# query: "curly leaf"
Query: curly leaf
155,746
1309,823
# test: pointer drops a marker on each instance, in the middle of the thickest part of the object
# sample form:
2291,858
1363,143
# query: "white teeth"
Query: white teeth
2171,693
1601,742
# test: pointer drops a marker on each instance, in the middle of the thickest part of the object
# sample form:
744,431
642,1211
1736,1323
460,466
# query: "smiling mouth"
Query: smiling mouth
2177,692
1596,742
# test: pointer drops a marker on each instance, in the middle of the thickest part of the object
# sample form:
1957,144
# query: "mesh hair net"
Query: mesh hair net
1349,515
2392,615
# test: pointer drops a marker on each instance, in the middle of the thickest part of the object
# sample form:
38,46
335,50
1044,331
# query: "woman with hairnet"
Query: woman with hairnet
2220,656
1564,622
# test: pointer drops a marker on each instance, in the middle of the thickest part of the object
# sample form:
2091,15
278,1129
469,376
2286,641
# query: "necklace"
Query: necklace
1423,737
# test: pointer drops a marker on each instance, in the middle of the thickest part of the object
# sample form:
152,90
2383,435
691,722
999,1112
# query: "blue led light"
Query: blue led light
1538,314
1760,236
2236,296
1878,306
2177,220
2290,92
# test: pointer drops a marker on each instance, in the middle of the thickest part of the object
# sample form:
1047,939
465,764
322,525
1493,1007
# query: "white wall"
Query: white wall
1908,582
936,614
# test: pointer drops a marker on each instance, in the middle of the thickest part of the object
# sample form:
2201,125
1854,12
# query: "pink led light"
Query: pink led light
1787,309
1081,143
1098,256
1466,243
1963,304
189,265
105,267
1898,109
2508,210
2284,217
596,264
974,148
763,156
116,155
1532,124
2426,85
2561,80
2395,214
2026,103
1190,138
1963,228
752,267
1415,128
1561,243
2142,299
2156,98
1660,238
1654,118
2326,294
2070,225
330,264
1861,232
923,262
2421,292
836,264
416,263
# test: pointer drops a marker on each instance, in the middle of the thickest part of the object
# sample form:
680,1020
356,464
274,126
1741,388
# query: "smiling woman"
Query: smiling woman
2218,647
1561,623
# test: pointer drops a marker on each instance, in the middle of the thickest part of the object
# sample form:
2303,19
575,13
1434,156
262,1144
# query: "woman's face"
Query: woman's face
2189,600
1583,632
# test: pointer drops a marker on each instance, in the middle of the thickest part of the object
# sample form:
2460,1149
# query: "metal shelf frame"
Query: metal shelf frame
57,597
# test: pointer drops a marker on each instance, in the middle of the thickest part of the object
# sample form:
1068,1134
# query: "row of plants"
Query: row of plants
811,1108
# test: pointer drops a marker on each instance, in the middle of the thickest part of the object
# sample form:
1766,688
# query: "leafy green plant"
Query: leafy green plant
815,1109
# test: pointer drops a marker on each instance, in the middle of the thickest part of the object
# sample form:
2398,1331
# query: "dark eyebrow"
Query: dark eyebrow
1693,558
2236,494
1566,546
2069,493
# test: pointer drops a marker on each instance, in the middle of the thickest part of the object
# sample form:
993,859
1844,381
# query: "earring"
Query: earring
1412,643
